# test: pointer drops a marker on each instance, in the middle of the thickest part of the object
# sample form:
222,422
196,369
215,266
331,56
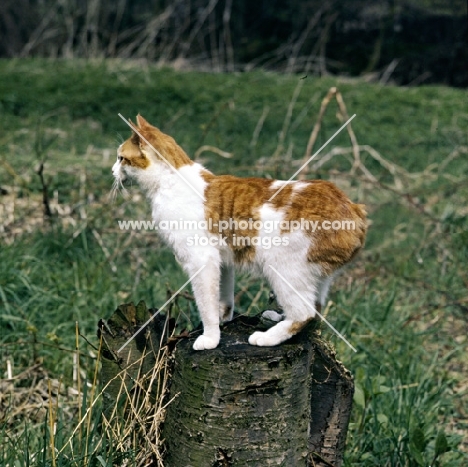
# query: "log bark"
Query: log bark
331,399
240,405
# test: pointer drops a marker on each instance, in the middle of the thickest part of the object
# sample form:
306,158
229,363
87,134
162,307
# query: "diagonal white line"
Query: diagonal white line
162,157
159,311
322,317
303,165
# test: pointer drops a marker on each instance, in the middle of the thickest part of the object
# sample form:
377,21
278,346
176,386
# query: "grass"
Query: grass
403,303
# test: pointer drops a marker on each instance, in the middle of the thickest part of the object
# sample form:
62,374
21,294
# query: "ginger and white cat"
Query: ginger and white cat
233,222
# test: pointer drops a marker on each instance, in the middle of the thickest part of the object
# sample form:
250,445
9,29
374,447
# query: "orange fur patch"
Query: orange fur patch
229,197
135,149
163,143
131,154
239,199
298,326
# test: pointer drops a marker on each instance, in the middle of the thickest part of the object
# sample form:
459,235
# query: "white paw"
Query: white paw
264,339
258,338
205,343
272,315
274,336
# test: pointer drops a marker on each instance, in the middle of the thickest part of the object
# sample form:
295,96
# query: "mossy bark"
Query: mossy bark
239,405
331,399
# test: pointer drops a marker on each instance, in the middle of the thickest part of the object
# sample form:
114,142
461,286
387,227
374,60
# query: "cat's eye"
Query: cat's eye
120,158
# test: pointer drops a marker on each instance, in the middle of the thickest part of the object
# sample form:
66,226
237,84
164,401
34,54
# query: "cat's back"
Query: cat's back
228,195
334,225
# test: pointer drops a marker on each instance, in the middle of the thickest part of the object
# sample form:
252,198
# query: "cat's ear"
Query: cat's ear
142,123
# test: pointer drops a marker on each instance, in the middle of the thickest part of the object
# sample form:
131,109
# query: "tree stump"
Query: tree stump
241,405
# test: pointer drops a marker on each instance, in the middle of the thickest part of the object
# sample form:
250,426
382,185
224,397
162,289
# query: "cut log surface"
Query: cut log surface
240,405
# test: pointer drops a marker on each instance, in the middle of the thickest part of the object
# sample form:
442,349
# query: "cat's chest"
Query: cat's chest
177,209
180,197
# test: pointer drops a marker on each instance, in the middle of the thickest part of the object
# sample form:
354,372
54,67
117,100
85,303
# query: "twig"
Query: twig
10,378
323,42
201,149
227,36
104,250
52,422
410,200
315,131
352,136
45,192
12,172
287,120
334,92
201,19
300,42
38,34
259,126
388,71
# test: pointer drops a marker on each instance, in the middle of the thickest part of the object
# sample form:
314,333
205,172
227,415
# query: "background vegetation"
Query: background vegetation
405,41
403,303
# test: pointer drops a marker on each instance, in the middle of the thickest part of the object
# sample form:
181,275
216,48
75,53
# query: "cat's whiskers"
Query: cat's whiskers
114,190
123,190
117,186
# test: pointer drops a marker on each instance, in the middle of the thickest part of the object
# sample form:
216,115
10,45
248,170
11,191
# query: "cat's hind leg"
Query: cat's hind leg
296,293
323,288
271,314
226,293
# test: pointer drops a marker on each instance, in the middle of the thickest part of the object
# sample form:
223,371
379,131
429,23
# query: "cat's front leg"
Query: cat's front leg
206,290
209,339
226,293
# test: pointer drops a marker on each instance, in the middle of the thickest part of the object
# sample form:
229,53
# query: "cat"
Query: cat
264,225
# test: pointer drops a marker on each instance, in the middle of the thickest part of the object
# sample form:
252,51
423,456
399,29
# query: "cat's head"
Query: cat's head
146,150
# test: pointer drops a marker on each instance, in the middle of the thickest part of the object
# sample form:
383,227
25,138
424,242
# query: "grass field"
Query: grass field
403,303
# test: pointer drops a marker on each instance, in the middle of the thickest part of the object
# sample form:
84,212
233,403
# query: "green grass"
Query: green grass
402,304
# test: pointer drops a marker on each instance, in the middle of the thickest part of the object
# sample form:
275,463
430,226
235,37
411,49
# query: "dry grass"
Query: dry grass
144,414
28,395
131,430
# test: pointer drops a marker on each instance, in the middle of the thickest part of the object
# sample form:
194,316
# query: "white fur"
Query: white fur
172,198
277,184
272,315
290,266
274,336
298,186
